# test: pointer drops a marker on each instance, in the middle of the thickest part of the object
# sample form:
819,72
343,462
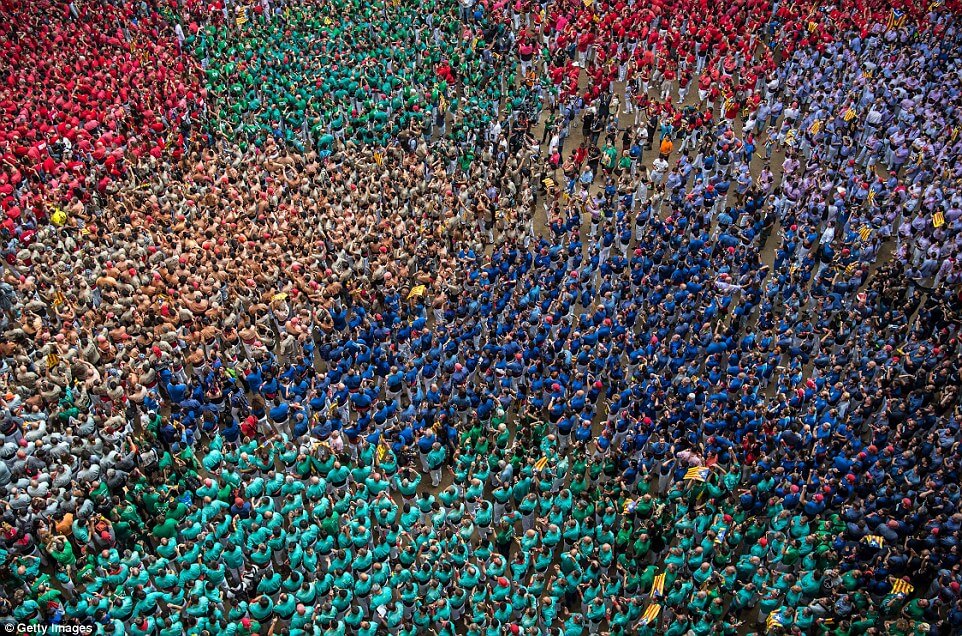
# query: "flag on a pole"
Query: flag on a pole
658,585
651,614
697,473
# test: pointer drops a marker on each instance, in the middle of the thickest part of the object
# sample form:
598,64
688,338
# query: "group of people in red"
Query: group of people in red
84,91
724,48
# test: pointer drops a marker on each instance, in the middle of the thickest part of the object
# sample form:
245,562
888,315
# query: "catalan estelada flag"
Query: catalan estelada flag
651,614
774,620
722,535
900,586
697,473
897,19
658,585
873,540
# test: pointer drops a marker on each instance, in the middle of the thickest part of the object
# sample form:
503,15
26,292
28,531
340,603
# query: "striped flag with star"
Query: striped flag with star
651,614
873,540
658,585
901,586
697,473
897,19
774,620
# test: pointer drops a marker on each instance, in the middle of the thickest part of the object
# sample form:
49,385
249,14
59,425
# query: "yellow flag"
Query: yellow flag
651,614
541,463
697,473
52,360
658,585
901,587
873,540
59,217
864,233
816,127
938,220
417,291
849,115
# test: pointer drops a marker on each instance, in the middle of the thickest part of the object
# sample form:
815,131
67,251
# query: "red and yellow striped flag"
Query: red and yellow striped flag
658,585
651,614
901,586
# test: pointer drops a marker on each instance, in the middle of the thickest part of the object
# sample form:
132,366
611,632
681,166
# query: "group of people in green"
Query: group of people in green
318,72
303,537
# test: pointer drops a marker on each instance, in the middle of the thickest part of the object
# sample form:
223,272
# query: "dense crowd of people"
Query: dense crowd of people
481,317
